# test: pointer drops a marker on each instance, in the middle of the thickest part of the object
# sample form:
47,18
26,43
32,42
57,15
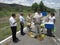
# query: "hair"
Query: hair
29,14
13,15
21,14
53,14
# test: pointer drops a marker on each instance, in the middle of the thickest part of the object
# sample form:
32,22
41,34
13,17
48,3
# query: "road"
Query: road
26,40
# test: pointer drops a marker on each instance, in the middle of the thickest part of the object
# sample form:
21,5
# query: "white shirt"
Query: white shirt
40,14
22,19
37,17
12,22
49,22
52,18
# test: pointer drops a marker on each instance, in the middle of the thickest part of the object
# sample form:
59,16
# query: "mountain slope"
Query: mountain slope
6,9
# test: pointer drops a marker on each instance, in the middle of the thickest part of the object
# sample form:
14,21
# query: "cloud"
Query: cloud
49,3
23,2
7,1
38,1
28,2
56,1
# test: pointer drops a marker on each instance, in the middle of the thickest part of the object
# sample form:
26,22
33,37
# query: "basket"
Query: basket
31,34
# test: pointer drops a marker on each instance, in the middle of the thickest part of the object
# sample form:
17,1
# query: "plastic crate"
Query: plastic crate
44,13
49,26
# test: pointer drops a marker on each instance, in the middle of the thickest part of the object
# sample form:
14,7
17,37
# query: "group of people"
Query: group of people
13,25
37,18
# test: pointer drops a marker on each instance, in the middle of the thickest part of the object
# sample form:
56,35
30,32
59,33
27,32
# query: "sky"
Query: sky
52,3
48,3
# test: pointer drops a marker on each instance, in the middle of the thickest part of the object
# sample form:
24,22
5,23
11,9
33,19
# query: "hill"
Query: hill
5,9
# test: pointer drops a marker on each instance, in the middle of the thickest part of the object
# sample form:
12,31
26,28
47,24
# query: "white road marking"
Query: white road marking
57,43
56,40
7,38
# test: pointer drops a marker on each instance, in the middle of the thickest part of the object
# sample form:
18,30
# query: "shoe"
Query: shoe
15,41
23,34
48,35
53,36
35,37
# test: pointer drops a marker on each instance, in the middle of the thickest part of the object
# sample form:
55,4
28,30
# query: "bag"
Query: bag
31,34
41,37
54,30
42,25
49,26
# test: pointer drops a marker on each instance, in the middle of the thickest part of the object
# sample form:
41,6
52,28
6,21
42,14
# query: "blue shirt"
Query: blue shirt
22,19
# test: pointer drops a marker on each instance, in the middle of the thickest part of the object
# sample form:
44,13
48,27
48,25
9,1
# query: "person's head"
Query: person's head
52,14
29,15
21,14
14,15
39,12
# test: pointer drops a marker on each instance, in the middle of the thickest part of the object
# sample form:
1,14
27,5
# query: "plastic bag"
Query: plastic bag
54,30
42,25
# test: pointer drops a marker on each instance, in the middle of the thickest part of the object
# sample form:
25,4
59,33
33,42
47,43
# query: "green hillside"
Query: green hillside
7,9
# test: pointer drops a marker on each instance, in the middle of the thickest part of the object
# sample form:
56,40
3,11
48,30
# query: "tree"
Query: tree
35,7
42,6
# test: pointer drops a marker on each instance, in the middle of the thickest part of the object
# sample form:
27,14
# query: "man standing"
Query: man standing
22,21
13,25
37,22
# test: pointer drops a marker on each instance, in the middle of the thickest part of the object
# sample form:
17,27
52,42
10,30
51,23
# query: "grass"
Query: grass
3,25
6,32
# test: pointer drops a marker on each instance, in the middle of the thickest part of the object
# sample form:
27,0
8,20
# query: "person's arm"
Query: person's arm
14,22
54,21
